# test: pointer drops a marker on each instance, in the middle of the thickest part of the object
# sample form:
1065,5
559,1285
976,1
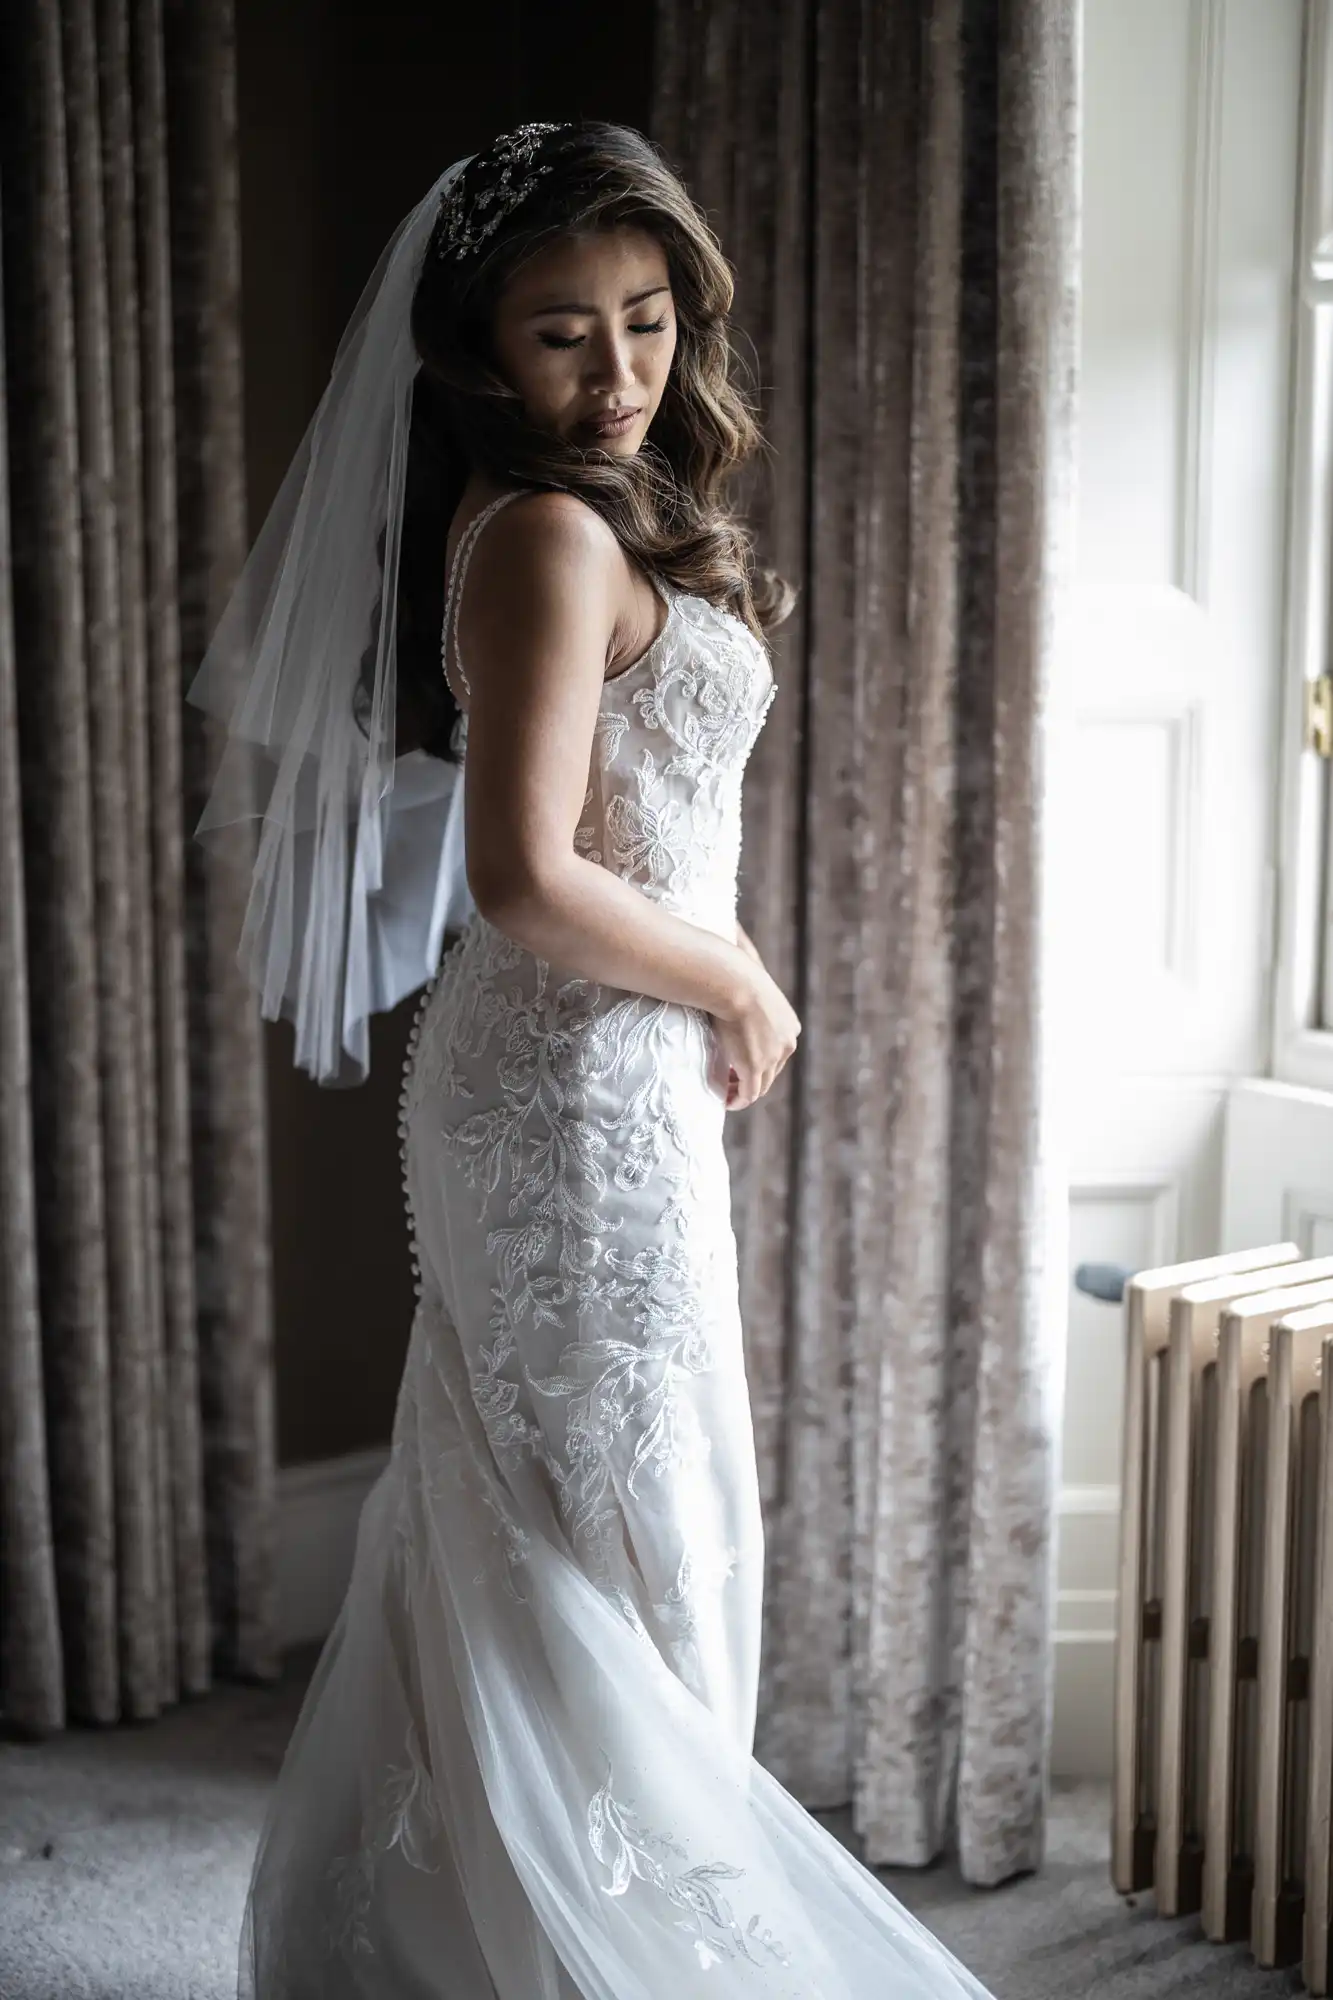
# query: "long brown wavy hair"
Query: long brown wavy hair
667,503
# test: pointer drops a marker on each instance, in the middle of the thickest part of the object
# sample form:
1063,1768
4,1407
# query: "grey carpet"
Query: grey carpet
124,1856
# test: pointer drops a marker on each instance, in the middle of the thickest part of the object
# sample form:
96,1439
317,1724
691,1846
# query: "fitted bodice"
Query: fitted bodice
674,732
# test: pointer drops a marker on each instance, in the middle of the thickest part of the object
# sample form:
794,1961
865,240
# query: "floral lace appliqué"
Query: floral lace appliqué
569,1105
630,1852
407,1817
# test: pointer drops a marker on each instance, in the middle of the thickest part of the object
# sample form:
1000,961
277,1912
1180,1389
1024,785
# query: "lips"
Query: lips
611,424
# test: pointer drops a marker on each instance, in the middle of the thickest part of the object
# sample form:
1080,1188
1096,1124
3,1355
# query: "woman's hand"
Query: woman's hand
755,1043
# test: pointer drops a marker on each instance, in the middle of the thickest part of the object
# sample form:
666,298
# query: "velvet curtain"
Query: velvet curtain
136,1421
895,184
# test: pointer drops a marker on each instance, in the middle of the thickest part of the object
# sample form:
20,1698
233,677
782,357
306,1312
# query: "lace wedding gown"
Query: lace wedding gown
522,1769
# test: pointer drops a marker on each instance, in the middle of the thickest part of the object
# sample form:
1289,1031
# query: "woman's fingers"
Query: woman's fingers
742,1075
751,1086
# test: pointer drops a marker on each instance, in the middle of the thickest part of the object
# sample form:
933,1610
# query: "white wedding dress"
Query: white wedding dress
523,1770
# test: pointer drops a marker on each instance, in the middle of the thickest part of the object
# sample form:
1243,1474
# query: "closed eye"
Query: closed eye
577,340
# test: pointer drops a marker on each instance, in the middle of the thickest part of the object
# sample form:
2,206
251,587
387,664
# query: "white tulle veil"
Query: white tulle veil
358,865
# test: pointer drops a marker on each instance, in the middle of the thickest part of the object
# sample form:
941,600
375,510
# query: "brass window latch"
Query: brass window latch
1319,716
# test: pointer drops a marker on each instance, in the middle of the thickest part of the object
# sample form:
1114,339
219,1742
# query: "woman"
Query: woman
523,1767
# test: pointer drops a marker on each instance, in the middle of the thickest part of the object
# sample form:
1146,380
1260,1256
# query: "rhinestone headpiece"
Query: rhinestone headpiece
512,169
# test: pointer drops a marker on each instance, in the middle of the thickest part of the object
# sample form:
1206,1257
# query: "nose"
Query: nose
610,365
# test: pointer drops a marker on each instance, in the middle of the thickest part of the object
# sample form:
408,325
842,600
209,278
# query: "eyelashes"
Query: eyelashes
559,340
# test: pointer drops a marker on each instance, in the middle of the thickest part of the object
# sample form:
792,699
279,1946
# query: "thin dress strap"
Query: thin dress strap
454,593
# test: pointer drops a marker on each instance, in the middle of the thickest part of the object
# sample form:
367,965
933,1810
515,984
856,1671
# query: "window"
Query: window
1302,1041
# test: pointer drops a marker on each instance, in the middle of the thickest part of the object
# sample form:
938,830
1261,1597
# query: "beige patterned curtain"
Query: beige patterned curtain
895,183
136,1427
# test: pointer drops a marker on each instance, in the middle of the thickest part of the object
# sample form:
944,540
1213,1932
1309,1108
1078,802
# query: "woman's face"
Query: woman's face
584,332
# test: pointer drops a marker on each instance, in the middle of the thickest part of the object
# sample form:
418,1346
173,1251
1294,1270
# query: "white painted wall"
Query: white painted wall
319,1506
1169,695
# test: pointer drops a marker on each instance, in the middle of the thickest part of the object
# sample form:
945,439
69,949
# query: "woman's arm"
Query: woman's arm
747,944
536,628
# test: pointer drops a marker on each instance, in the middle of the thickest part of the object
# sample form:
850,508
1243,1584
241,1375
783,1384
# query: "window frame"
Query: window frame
1301,1028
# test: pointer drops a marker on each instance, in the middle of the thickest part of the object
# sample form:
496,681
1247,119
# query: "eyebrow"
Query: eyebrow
636,300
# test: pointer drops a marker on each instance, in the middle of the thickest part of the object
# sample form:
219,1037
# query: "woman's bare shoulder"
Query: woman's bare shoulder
551,542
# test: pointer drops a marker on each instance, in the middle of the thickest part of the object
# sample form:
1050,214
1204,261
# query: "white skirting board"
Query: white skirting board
319,1505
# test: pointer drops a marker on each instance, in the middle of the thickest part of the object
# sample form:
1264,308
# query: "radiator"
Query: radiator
1318,1924
1148,1297
1223,1760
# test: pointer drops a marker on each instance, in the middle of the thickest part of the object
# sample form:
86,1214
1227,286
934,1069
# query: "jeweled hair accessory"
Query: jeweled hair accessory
467,219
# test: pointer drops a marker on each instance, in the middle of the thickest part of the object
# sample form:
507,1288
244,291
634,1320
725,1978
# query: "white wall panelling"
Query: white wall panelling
1279,1166
1139,879
1198,298
1162,806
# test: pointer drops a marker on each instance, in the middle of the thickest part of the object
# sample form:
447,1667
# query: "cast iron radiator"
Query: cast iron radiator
1223,1739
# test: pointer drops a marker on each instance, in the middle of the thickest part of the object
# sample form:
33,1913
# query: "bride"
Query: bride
498,657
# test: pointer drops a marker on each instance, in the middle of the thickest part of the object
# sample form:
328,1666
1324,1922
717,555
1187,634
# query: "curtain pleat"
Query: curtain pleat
136,1492
232,1257
135,1412
166,678
54,748
895,186
112,35
31,1666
